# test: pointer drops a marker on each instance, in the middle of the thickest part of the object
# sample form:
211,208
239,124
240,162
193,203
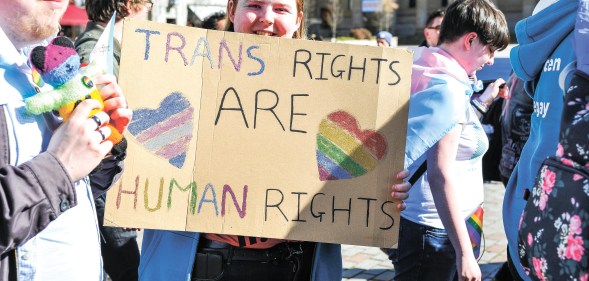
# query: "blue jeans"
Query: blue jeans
424,253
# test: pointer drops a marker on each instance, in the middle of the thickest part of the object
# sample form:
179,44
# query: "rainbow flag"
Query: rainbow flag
474,226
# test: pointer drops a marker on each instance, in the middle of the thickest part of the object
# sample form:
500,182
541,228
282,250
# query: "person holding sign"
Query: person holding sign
177,255
446,139
49,227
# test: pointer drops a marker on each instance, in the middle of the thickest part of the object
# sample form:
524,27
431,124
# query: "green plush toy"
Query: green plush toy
59,66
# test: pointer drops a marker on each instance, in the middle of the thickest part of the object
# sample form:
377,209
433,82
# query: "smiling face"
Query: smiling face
30,21
280,18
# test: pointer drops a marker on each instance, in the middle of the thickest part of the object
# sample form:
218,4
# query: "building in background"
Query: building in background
403,18
409,16
73,21
180,11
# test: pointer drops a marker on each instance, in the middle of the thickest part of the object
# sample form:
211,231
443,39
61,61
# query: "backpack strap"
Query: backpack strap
418,173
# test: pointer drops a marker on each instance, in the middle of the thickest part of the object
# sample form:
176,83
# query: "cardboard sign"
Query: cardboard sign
261,136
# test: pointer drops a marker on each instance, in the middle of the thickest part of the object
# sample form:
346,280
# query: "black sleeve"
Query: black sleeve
109,171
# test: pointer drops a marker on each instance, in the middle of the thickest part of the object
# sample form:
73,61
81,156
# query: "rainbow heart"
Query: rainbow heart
167,130
344,151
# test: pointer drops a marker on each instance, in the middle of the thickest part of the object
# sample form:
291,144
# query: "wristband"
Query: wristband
479,105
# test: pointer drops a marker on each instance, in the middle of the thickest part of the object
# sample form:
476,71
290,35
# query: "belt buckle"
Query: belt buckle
292,251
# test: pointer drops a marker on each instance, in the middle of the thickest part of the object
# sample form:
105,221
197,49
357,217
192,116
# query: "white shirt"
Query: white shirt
472,146
69,248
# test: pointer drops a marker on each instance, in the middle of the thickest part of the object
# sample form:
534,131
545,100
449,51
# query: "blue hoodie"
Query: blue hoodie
169,255
545,55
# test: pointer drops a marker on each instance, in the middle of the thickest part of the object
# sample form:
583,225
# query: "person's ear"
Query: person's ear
469,40
231,10
299,19
128,7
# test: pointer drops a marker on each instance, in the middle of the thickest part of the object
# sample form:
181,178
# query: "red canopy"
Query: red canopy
74,15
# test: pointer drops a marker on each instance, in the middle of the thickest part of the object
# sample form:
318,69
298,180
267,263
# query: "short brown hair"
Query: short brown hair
479,16
299,34
102,10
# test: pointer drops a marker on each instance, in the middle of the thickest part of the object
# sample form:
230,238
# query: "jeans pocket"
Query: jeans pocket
437,241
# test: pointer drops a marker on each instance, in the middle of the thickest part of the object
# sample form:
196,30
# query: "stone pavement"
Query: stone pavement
369,263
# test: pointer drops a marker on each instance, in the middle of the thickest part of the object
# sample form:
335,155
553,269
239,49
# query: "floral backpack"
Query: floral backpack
553,239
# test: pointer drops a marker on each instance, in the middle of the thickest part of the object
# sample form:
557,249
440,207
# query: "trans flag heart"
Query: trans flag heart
344,151
167,130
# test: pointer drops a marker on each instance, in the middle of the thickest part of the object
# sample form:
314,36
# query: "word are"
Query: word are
265,100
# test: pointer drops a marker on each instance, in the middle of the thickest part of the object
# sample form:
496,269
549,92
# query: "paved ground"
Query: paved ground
368,263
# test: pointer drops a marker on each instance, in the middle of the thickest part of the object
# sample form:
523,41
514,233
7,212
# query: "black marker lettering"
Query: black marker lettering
334,209
367,208
293,113
305,63
240,108
277,205
299,206
271,109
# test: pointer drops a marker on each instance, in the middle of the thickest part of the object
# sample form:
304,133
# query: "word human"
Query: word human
341,210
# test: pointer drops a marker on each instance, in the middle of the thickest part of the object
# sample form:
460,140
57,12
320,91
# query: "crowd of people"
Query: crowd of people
52,197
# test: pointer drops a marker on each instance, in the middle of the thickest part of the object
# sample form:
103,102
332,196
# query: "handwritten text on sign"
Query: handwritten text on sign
261,136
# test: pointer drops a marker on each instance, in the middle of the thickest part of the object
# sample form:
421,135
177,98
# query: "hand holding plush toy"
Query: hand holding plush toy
59,65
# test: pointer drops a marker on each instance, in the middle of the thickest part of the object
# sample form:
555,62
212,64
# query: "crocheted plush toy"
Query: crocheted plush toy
59,66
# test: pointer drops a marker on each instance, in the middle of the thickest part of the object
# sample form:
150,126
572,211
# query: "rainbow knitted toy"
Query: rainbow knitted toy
59,65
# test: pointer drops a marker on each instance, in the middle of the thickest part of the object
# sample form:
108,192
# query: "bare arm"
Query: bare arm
441,176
